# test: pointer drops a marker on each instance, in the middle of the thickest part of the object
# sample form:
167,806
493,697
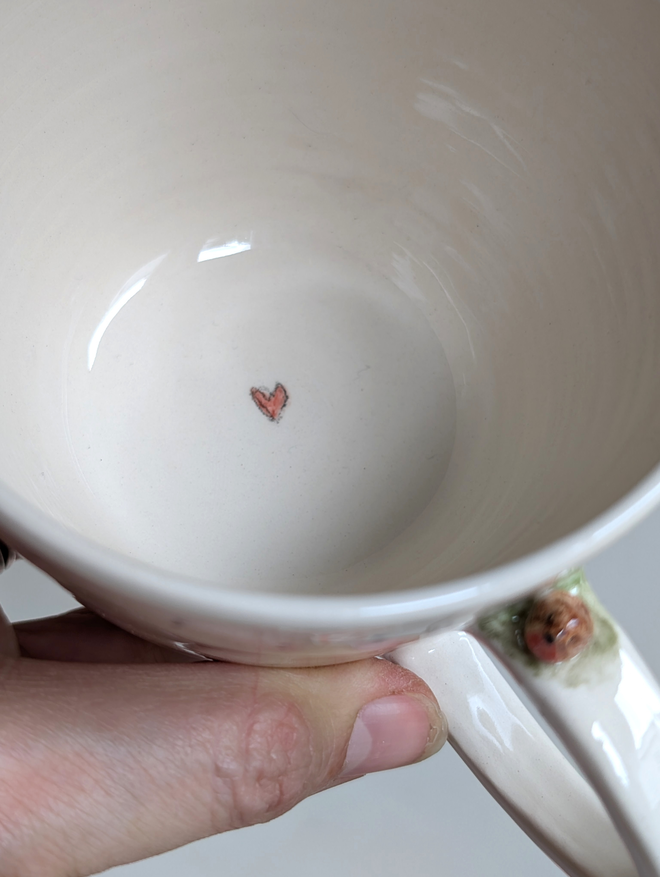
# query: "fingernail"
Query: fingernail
394,731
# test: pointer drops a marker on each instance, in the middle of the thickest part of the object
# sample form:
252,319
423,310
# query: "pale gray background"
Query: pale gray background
429,819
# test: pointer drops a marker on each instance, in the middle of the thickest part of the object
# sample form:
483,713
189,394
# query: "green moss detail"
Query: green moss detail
504,628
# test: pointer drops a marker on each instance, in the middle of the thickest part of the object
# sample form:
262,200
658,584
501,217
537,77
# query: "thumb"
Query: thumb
102,765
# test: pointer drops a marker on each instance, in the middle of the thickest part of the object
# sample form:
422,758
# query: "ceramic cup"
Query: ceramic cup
332,330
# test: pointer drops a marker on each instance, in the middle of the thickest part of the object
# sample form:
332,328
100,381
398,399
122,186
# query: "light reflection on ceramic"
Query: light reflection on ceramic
400,365
214,250
125,294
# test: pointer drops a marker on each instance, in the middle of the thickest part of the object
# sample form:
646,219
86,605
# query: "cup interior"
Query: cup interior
329,298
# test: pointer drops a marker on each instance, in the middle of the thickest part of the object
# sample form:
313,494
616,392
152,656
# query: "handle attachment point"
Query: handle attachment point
562,633
603,703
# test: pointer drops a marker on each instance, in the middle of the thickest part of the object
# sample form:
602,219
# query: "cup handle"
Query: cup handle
604,705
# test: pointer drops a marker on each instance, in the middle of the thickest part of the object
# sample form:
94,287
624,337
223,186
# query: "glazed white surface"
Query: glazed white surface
440,188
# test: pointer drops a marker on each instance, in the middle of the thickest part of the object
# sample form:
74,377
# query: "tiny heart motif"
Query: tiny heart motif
270,404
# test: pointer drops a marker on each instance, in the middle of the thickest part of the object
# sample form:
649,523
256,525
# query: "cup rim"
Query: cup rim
72,558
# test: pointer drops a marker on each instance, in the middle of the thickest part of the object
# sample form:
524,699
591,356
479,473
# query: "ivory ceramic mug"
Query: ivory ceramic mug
327,328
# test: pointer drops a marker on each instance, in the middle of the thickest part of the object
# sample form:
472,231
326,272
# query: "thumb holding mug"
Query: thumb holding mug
114,749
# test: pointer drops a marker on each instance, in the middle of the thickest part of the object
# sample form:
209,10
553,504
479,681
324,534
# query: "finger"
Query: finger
103,765
81,635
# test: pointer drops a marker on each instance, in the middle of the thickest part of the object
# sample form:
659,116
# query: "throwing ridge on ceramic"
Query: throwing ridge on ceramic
270,404
509,629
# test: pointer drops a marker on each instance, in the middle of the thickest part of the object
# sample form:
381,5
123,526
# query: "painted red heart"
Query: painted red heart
270,404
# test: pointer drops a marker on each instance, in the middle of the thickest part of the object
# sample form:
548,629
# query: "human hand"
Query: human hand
113,749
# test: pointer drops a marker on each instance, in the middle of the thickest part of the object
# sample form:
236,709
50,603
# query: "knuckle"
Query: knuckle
267,769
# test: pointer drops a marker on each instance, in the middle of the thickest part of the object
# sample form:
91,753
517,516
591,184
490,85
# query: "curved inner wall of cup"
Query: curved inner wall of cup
332,297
